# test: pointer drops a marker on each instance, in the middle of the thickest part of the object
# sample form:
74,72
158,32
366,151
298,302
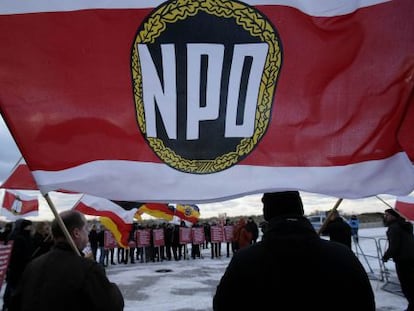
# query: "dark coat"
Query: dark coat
292,268
62,280
400,241
93,238
20,256
339,231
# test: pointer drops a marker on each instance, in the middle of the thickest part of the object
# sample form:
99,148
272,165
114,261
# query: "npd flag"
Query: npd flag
190,101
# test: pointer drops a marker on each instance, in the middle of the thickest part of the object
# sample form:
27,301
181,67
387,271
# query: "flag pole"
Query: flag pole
383,201
325,223
61,224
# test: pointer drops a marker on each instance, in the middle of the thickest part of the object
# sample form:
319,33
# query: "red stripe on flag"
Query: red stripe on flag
8,200
99,58
20,178
122,227
342,94
406,209
160,207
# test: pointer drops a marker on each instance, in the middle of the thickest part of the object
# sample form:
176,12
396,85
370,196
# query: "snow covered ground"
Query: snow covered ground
189,285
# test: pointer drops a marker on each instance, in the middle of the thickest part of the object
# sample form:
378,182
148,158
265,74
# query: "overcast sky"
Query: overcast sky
248,205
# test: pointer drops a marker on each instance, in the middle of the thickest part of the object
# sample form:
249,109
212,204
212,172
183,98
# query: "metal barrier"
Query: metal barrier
370,254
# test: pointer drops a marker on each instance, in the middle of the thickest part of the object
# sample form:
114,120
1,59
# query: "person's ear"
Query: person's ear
76,233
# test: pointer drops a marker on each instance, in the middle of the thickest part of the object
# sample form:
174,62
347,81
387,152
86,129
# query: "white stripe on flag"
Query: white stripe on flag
357,180
311,7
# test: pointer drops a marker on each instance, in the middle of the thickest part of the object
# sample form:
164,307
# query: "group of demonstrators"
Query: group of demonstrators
50,271
169,241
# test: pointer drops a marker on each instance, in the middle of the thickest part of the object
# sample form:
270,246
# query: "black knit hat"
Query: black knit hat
392,212
282,204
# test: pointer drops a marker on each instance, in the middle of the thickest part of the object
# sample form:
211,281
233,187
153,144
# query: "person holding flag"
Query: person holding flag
291,266
64,280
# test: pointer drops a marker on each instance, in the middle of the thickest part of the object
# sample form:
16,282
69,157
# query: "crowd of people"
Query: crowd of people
47,269
172,247
42,258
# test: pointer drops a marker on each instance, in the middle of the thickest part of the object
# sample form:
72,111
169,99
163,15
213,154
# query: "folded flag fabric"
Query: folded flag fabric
20,178
120,233
157,210
121,220
405,206
272,95
17,205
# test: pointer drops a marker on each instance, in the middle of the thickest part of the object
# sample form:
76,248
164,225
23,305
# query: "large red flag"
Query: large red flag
405,206
195,101
17,205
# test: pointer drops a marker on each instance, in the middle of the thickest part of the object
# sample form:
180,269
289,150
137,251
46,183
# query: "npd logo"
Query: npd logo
204,76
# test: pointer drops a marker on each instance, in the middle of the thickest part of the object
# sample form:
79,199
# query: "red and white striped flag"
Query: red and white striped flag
17,205
175,101
405,206
120,219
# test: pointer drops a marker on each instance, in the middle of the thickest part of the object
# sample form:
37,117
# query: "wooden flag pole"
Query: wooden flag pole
383,201
325,223
61,224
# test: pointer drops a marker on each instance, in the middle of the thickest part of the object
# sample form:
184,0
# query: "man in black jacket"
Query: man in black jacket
292,268
338,230
401,250
65,281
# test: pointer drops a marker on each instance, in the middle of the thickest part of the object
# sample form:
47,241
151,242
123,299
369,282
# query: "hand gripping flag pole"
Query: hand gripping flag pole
325,223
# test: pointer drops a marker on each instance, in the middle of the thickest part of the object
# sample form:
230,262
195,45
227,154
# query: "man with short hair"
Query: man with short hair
62,280
292,268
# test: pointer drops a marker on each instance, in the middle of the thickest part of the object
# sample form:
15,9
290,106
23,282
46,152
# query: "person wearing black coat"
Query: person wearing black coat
63,280
94,241
20,256
292,268
338,230
401,250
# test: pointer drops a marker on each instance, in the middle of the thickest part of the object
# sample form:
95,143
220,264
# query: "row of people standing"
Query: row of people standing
170,250
97,242
244,233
